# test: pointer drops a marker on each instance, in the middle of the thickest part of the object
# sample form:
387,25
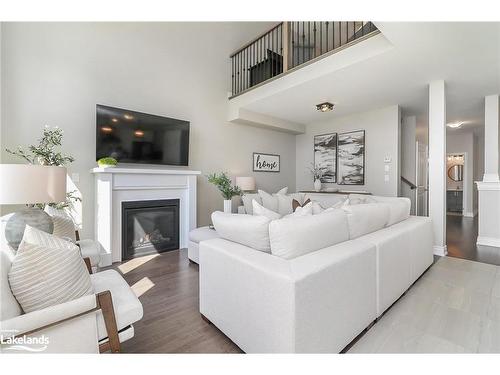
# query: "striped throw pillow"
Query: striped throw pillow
63,223
43,276
39,237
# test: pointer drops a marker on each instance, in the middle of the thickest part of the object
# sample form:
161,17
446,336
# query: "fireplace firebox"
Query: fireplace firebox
149,227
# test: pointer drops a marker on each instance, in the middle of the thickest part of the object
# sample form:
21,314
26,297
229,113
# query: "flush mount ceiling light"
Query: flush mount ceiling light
128,117
324,107
454,125
139,133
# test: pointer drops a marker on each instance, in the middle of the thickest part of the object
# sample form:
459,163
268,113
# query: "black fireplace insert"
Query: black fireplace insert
149,227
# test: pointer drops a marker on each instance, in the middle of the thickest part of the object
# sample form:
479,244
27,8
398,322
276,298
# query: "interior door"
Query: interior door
422,161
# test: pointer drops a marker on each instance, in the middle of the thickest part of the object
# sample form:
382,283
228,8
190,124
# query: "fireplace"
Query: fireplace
149,227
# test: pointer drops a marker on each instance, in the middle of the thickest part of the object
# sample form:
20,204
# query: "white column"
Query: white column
491,139
489,188
437,164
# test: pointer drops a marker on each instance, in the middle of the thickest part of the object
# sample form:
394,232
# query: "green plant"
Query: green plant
223,183
107,161
45,153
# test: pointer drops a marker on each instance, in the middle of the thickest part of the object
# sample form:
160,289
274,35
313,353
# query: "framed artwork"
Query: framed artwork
266,162
325,156
351,158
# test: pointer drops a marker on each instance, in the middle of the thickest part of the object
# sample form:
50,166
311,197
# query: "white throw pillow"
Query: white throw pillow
317,208
38,237
296,236
42,276
260,210
360,199
247,202
248,230
366,218
63,223
270,201
301,211
399,208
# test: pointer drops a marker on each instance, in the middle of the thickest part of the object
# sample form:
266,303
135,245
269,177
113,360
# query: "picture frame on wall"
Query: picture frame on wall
266,162
325,156
351,158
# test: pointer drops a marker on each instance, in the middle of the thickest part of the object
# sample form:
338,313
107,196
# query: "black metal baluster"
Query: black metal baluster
326,34
309,40
314,42
303,42
292,45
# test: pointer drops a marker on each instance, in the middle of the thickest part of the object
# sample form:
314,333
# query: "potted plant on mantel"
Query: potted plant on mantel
227,189
318,174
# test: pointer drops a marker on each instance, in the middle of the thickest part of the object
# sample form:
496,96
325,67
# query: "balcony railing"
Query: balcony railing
287,46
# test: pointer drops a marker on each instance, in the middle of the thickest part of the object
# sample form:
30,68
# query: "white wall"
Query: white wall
463,142
382,137
55,73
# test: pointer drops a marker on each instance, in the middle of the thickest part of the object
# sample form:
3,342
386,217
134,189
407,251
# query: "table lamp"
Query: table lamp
30,184
246,183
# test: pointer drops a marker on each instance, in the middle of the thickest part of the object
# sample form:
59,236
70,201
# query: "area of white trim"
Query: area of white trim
440,250
488,241
469,214
140,170
488,185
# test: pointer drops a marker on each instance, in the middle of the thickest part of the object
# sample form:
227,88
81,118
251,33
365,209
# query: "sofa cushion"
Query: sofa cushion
248,230
128,309
366,218
294,236
399,208
247,202
43,276
318,208
260,210
285,202
201,234
270,201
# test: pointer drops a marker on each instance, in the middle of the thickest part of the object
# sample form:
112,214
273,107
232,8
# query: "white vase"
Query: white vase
317,184
227,206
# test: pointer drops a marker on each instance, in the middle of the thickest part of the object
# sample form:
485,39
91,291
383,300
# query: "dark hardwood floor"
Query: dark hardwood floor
461,236
167,286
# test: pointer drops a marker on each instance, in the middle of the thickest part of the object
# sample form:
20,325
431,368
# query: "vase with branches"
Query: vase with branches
318,174
225,186
47,152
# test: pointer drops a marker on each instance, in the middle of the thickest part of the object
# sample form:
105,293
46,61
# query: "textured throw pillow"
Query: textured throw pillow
360,199
319,209
63,223
366,218
42,276
301,211
296,204
247,202
260,210
38,237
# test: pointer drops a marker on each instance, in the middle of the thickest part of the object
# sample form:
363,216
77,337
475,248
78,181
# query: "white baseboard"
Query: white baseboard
488,241
440,250
469,214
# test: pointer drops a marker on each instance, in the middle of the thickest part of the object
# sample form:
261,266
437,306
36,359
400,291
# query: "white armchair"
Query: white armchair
90,324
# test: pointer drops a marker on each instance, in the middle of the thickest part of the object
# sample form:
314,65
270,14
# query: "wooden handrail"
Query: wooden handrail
255,39
409,183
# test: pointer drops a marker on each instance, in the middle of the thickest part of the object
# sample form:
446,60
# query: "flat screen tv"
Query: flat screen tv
135,137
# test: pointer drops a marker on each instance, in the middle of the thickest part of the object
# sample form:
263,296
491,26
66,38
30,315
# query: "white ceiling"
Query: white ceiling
465,55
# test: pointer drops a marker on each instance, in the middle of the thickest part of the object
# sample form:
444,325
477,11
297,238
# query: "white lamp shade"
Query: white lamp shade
30,184
245,183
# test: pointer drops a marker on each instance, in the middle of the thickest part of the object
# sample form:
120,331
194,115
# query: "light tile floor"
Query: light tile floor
453,308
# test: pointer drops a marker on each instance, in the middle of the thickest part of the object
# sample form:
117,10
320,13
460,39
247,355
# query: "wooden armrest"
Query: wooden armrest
105,303
87,263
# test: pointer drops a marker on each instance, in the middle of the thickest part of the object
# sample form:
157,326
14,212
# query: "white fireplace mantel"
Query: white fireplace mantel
116,185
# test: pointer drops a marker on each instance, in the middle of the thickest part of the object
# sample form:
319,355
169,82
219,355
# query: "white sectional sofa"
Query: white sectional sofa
320,301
